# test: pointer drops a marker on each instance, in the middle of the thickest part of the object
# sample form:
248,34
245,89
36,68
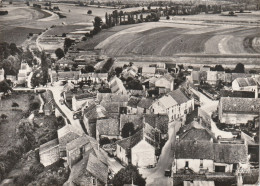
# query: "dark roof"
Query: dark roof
137,120
249,105
241,94
230,153
145,103
108,127
111,107
95,112
159,121
179,96
87,167
133,102
190,149
195,131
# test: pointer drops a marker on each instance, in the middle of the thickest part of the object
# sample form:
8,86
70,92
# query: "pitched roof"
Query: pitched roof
69,75
179,96
190,149
145,103
167,77
195,131
167,101
133,102
111,107
159,121
230,153
137,120
80,141
108,127
49,145
112,97
234,104
244,82
95,112
116,85
87,167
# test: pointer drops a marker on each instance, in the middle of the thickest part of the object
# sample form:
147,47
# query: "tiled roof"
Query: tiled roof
230,153
49,145
145,103
80,141
244,82
69,86
65,130
140,93
112,97
111,107
108,127
116,85
137,120
167,101
195,131
159,121
167,77
190,149
95,112
234,104
69,75
133,102
179,96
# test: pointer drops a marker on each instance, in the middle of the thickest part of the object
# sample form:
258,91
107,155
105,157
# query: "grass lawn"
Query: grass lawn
8,136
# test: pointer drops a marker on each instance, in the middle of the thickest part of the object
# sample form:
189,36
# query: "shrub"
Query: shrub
34,106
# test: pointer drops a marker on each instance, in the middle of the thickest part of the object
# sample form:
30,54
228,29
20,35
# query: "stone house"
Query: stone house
49,152
79,100
116,86
132,105
136,119
138,149
245,84
148,71
108,128
165,82
94,77
143,107
234,110
175,104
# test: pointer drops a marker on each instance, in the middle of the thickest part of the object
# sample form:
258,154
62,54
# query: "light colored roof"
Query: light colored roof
167,77
80,141
112,97
49,145
65,130
167,101
95,112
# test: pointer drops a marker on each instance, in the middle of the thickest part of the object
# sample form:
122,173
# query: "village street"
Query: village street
156,176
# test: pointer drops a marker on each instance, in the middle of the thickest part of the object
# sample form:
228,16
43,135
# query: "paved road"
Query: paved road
156,176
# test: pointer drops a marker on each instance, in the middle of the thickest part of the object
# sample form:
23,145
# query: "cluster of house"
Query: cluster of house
20,78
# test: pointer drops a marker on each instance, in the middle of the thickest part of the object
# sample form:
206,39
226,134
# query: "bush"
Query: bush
104,141
34,106
104,26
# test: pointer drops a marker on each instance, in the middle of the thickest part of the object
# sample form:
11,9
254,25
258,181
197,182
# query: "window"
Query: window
201,163
63,153
94,181
187,164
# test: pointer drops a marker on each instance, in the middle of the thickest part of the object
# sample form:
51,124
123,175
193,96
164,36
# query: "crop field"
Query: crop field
169,39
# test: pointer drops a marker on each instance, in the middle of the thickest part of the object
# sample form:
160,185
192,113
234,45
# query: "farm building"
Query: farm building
116,86
245,84
49,152
108,128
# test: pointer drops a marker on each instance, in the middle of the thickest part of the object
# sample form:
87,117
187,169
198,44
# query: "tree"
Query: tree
240,68
128,175
128,130
3,116
15,104
34,106
66,69
89,12
59,53
97,25
89,68
219,68
64,35
67,44
45,67
118,70
104,141
134,84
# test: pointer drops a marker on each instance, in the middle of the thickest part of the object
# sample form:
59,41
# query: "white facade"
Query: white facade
121,154
194,164
2,74
143,154
236,86
162,82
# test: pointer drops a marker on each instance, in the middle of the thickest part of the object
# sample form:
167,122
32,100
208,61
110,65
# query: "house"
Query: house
21,77
48,109
149,83
108,128
65,135
130,72
245,84
112,97
192,156
89,171
143,107
25,69
137,121
212,77
166,82
159,122
175,104
90,116
94,77
78,100
10,77
116,86
138,149
205,68
132,105
49,152
148,71
234,110
78,147
2,74
65,76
